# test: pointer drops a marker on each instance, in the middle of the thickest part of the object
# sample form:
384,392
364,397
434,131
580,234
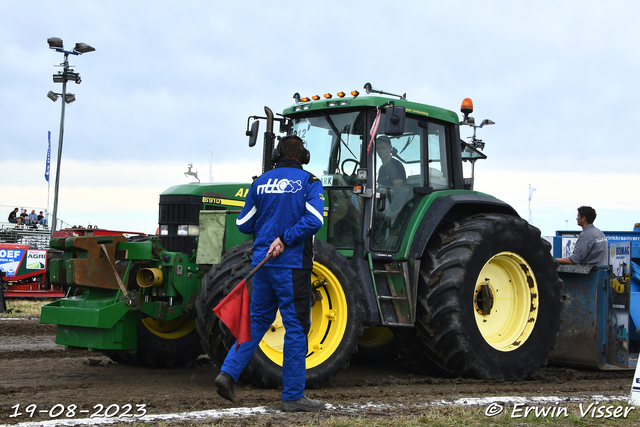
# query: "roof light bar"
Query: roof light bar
341,94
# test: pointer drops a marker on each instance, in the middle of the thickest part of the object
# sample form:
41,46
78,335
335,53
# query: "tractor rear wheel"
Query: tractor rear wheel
489,298
336,318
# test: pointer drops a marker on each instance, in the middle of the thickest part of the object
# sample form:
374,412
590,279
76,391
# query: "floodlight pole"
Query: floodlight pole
54,218
80,48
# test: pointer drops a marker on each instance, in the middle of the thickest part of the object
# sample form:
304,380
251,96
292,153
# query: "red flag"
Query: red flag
234,311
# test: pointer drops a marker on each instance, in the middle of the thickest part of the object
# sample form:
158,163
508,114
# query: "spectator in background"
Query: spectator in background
14,218
25,217
33,217
591,247
42,220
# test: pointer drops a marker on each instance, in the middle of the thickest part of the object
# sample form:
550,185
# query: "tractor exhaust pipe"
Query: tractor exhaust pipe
269,138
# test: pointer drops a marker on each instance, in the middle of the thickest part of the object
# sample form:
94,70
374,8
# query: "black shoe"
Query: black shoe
304,404
226,386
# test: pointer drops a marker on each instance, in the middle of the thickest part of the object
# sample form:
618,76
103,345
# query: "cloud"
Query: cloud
168,81
118,195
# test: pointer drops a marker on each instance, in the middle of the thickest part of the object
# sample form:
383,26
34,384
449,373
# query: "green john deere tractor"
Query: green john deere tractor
452,277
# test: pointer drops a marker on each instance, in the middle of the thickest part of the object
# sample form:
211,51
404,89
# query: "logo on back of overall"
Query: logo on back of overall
276,186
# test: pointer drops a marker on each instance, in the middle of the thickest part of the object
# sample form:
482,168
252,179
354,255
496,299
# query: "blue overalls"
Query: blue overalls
286,202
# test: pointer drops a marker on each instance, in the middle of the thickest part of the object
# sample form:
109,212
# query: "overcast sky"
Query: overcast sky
168,80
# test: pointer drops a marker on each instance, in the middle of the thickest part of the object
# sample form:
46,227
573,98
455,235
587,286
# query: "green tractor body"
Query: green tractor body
450,276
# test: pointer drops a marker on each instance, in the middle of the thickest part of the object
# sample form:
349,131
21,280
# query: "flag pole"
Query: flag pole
46,175
210,164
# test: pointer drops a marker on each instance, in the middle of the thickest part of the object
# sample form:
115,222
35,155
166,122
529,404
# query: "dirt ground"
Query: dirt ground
36,371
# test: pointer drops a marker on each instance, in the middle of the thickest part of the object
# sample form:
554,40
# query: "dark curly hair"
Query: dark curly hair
588,212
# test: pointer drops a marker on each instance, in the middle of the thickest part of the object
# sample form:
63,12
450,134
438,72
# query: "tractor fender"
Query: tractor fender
455,205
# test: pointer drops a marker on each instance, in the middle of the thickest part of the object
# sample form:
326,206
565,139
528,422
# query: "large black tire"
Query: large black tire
336,319
489,298
160,345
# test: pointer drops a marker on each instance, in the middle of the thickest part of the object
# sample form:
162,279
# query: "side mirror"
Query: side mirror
394,120
253,133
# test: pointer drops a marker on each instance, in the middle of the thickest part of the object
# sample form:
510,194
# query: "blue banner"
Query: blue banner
46,171
10,261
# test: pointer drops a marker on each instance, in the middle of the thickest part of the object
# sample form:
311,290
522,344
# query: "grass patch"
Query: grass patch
24,307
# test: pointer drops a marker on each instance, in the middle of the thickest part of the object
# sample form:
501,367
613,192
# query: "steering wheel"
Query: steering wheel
355,166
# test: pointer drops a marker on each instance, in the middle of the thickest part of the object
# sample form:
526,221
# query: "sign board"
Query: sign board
18,261
619,299
10,258
634,398
568,245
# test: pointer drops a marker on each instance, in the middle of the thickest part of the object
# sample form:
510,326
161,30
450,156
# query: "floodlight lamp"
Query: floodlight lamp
487,122
52,96
296,98
83,48
367,88
78,79
72,76
69,98
55,43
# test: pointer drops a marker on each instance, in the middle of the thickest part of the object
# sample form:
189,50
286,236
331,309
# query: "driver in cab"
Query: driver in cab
391,174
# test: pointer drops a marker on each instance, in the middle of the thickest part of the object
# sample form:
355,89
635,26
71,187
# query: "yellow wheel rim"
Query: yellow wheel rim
172,329
328,321
506,301
375,337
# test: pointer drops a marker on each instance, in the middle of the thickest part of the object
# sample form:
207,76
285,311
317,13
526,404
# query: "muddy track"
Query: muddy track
34,370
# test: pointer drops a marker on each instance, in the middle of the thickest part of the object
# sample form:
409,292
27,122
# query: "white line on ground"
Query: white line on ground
262,410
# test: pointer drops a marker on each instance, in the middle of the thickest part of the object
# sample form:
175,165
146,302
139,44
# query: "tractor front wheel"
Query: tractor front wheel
163,344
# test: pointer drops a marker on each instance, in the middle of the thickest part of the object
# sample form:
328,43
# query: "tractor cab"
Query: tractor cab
377,157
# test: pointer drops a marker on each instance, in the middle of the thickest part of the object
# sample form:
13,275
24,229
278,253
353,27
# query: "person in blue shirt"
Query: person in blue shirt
284,209
33,218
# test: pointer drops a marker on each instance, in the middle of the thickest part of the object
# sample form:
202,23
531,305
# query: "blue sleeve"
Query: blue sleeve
247,218
313,216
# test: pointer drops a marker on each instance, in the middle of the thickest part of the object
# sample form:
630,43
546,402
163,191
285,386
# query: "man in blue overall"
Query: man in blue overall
284,209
